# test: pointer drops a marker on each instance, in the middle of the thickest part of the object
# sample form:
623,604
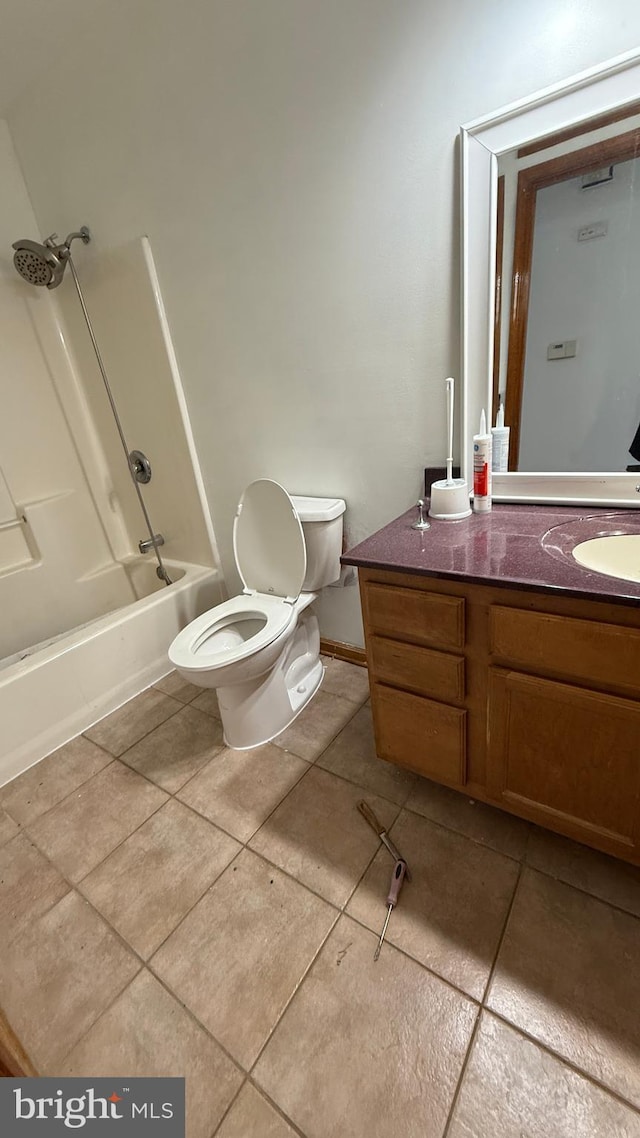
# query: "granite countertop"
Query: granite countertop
522,546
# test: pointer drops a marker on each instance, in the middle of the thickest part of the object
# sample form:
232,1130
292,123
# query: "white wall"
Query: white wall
294,163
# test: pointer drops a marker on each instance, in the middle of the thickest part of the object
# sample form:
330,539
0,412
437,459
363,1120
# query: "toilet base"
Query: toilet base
257,711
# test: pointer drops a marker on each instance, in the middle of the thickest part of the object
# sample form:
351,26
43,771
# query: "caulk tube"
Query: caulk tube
482,468
500,444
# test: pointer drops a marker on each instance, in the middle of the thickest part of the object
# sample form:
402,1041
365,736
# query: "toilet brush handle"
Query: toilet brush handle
450,383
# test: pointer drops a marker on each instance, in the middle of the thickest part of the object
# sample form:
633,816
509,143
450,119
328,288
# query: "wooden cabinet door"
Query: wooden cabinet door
566,757
420,734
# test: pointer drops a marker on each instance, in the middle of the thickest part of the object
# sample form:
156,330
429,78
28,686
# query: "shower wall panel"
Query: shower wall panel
57,567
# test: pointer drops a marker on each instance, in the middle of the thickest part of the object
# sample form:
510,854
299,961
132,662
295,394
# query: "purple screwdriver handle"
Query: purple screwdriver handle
399,874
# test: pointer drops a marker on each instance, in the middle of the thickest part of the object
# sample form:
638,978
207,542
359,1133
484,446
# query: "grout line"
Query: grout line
463,1071
593,1079
103,1011
494,966
359,785
295,991
272,1102
234,1099
75,884
192,907
128,701
580,889
198,1022
302,774
403,952
83,782
463,834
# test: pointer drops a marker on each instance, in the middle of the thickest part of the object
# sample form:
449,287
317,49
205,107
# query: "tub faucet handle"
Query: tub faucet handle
421,522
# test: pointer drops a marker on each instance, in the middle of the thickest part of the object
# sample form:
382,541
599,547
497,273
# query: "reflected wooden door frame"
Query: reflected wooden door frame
530,180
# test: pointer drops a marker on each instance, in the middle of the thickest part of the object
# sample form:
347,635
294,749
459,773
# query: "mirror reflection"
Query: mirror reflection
566,366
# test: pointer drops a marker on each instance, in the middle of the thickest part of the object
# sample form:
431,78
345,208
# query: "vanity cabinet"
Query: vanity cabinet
522,699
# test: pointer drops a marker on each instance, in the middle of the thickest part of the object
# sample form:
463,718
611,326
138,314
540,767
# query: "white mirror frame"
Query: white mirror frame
591,93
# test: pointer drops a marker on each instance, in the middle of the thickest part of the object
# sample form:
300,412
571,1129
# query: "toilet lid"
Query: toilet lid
268,542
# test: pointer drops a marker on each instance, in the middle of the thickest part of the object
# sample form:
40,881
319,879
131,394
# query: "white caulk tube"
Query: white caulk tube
500,444
482,468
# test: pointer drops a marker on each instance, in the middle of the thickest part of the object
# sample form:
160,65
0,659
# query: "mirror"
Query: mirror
551,287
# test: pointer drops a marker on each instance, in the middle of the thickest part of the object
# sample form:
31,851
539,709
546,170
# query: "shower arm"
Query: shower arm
153,538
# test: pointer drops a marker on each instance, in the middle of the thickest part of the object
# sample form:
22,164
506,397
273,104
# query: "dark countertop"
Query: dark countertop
521,546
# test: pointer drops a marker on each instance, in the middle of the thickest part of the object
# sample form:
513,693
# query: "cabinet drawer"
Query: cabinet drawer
567,755
410,614
606,654
437,675
426,736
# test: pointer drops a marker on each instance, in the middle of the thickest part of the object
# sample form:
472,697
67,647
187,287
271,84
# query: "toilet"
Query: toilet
261,649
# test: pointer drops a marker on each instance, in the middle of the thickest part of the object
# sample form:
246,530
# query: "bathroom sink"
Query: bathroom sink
618,555
601,543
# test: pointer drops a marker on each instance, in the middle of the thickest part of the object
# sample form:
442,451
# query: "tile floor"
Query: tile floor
169,906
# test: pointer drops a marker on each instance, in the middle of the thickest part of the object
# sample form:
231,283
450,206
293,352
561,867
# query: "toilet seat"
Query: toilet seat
213,639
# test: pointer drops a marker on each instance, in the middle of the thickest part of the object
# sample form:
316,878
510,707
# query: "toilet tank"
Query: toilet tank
322,527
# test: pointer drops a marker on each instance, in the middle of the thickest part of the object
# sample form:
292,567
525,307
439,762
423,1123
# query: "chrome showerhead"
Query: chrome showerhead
44,264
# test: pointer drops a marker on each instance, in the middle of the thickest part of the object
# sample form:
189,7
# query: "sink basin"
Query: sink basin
617,555
601,543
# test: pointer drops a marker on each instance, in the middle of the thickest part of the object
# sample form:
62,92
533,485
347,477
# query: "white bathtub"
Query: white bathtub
59,689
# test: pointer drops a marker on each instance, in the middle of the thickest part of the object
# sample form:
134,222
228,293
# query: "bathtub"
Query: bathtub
57,689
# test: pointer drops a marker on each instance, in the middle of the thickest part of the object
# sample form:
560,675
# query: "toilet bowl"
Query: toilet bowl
261,649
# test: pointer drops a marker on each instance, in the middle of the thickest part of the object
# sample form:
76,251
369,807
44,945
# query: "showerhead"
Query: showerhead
44,264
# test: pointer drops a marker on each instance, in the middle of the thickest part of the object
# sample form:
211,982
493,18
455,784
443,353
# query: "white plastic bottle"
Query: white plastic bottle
500,444
482,468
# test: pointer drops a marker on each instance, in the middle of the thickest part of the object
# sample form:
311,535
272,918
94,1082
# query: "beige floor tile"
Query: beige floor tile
207,701
251,1116
239,955
567,974
452,913
58,975
511,1087
316,726
177,749
29,885
8,828
80,831
149,882
353,755
174,685
48,782
367,1049
483,823
147,1032
348,680
239,789
124,727
605,877
318,836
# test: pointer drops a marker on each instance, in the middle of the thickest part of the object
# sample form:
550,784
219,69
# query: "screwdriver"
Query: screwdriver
378,828
397,877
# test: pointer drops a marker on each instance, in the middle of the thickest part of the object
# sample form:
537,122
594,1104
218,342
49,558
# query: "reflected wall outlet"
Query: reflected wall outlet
596,229
562,350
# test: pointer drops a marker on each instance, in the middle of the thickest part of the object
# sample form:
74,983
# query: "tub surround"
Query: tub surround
502,669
